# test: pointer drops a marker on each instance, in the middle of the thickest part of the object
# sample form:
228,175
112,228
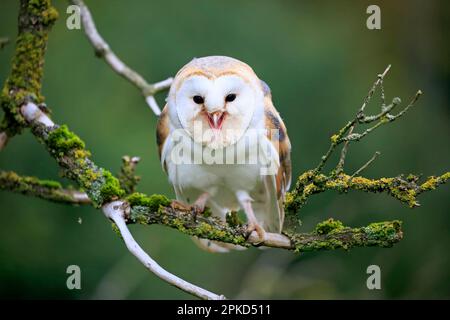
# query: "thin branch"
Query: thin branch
3,140
127,178
374,157
406,190
116,212
103,50
337,138
44,189
341,163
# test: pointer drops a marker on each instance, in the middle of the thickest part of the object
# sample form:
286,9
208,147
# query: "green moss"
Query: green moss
383,230
337,236
153,202
334,138
110,189
27,183
24,81
233,219
81,154
328,226
207,212
43,11
62,140
205,230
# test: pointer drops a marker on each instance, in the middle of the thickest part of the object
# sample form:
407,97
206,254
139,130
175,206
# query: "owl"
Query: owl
224,146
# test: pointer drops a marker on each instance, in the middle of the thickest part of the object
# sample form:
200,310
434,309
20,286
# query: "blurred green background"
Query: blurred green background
320,61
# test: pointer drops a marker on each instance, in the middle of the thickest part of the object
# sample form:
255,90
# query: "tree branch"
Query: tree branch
406,190
116,212
25,79
101,186
328,235
45,189
103,50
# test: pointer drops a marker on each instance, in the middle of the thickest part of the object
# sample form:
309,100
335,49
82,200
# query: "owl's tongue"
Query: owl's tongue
215,120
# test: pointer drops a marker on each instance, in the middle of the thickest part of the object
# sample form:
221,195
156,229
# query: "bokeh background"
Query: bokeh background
320,60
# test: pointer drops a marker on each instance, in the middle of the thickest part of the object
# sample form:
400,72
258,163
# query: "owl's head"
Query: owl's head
216,99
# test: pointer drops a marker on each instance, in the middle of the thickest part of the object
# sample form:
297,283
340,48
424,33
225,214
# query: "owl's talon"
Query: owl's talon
259,231
200,204
179,205
197,210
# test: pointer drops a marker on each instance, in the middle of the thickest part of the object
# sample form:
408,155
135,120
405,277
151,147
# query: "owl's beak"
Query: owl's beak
215,119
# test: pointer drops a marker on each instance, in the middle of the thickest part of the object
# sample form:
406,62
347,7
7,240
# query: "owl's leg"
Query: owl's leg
200,203
252,223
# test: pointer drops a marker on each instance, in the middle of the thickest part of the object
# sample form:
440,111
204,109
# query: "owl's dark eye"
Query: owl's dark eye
230,97
198,99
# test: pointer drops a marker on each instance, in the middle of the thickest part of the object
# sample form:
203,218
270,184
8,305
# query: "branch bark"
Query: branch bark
44,189
25,79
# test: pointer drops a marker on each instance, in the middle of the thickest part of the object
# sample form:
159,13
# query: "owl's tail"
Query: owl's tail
216,246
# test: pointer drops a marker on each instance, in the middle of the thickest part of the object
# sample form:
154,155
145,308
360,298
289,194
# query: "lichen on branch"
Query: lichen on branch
25,79
44,189
405,189
328,235
74,160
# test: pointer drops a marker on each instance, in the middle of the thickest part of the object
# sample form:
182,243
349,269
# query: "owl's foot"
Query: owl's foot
252,223
179,205
199,205
254,226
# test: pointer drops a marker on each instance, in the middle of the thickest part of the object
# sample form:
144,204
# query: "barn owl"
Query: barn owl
223,145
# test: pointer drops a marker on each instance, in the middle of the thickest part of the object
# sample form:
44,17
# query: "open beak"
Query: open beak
215,119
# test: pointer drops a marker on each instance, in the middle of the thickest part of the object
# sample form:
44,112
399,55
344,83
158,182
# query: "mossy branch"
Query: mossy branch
315,181
25,79
404,189
328,235
44,189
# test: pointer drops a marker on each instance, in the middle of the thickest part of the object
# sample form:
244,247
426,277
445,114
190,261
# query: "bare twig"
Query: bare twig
376,154
103,50
337,138
3,140
340,165
116,212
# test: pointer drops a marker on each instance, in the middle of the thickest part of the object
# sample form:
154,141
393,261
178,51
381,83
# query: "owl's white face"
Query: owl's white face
216,111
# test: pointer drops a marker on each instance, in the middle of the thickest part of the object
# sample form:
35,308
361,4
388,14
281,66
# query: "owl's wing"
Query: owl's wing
281,143
162,132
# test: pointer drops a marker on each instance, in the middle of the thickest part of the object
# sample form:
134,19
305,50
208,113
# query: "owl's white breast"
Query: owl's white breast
220,180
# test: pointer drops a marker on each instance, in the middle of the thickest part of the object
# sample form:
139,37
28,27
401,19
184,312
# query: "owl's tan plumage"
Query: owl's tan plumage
253,108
